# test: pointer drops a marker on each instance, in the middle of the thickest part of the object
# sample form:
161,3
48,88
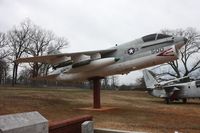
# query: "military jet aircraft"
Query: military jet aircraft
172,90
140,53
144,52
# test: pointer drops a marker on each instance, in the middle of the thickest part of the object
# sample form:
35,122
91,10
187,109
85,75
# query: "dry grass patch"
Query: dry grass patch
135,110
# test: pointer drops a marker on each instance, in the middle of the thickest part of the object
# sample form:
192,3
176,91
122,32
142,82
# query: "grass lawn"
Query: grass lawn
136,110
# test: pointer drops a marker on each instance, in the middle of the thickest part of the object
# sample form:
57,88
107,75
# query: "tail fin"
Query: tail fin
149,79
52,50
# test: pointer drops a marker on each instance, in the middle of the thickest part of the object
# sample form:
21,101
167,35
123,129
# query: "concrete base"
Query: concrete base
87,127
31,122
102,109
104,130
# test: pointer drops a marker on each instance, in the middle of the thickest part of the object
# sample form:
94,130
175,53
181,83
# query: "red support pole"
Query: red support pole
96,93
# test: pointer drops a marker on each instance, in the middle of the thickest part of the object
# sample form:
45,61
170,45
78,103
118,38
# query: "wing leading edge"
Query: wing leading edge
55,59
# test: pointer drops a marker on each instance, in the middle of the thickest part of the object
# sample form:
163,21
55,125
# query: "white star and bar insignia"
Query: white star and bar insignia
131,51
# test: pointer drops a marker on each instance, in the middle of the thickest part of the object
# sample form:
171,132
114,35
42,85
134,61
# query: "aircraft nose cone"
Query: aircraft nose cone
180,42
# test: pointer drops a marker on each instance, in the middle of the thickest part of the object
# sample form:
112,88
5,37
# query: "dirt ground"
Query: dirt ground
135,110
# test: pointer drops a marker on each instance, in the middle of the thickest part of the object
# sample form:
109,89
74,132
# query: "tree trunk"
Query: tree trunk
5,77
0,79
16,69
14,77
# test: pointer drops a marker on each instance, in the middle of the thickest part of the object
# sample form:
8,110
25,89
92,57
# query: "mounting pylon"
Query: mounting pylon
96,93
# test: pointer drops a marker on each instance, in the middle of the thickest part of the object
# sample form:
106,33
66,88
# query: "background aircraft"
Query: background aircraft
144,52
171,90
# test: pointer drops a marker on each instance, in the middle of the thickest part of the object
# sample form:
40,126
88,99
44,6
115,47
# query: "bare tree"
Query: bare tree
105,83
54,48
114,81
3,71
28,39
40,39
4,52
41,43
24,75
57,45
189,61
18,42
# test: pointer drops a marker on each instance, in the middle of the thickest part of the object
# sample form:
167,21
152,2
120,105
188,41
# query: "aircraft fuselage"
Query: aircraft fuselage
133,55
189,90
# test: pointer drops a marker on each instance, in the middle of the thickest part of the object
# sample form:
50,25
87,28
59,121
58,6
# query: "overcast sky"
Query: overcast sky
100,24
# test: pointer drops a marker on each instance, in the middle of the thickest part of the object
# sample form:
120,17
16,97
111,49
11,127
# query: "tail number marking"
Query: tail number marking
157,50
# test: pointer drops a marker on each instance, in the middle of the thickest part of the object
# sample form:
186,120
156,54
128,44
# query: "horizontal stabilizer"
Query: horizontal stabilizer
174,80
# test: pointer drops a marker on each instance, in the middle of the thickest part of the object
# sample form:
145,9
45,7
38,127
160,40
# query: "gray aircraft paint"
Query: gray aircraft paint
142,58
133,55
170,90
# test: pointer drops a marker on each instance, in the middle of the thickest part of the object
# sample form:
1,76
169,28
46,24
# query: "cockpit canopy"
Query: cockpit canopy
153,37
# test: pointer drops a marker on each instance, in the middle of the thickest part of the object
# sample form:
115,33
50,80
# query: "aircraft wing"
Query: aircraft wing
48,77
171,81
178,86
55,59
